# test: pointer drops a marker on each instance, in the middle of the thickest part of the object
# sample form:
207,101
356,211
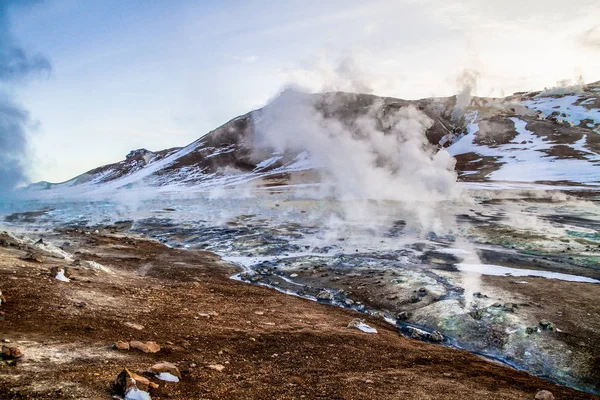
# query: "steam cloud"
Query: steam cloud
16,65
467,80
381,155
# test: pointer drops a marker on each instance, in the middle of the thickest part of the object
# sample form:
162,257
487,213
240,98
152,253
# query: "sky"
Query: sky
157,74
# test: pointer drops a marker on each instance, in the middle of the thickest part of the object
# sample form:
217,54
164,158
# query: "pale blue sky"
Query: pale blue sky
158,74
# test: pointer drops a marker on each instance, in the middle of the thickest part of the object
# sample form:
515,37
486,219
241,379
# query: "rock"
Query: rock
216,367
146,347
325,295
544,395
166,371
120,345
403,315
11,353
476,314
436,336
134,326
415,333
547,325
33,257
133,386
349,302
415,298
422,291
531,330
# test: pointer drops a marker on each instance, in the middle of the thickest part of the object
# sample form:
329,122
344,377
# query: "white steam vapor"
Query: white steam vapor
380,155
467,81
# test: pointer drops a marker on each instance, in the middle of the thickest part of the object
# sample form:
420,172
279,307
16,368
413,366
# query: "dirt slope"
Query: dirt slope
271,345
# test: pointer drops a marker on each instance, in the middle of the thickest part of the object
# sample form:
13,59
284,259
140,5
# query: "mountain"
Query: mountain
552,136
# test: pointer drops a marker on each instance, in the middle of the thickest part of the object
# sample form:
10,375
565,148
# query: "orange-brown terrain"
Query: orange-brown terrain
230,340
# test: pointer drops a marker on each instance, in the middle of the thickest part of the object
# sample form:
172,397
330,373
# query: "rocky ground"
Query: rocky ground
228,339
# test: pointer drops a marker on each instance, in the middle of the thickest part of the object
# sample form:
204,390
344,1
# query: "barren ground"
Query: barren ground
271,345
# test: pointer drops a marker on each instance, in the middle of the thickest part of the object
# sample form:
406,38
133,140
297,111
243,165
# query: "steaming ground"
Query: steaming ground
506,262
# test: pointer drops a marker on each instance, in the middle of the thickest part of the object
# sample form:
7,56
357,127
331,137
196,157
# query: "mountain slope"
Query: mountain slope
549,137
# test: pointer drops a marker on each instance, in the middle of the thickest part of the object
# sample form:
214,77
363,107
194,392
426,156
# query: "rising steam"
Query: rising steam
381,154
16,65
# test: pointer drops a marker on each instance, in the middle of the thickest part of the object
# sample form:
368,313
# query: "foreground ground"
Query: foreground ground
270,345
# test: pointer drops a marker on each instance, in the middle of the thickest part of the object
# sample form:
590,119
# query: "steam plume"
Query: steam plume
16,65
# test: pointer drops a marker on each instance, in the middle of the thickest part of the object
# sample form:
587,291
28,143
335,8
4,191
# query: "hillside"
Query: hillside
544,137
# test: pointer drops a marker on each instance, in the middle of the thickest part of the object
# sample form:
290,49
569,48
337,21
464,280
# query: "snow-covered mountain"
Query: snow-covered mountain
546,137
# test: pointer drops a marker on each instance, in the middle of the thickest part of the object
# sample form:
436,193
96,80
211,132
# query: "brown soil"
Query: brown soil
271,345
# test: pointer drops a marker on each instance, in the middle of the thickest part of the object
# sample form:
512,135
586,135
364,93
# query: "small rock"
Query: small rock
133,386
120,345
325,295
216,367
531,330
134,326
11,353
33,257
436,336
163,368
544,395
403,315
547,325
415,298
146,347
293,275
349,302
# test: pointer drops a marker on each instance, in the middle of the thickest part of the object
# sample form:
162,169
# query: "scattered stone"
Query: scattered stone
325,295
120,345
403,315
415,298
361,326
11,353
531,330
349,302
476,314
497,305
293,275
33,257
259,313
422,291
134,326
165,371
547,325
544,395
146,347
133,386
436,336
216,367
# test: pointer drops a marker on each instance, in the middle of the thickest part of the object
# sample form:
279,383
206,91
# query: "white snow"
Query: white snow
136,394
452,251
60,276
565,104
524,159
497,270
167,377
365,328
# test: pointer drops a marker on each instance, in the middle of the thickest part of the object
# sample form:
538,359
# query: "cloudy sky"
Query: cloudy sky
159,74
